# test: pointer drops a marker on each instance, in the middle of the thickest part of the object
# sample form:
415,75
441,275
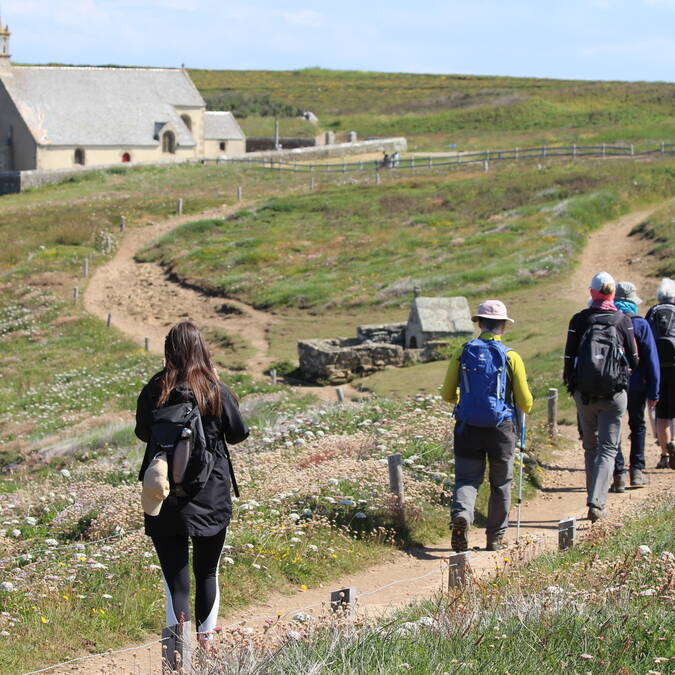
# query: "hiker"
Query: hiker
599,355
661,318
643,387
485,425
171,516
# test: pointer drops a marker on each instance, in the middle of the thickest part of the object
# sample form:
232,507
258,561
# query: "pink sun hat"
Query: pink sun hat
492,309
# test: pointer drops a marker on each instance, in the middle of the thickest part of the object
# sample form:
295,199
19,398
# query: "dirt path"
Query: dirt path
412,575
145,302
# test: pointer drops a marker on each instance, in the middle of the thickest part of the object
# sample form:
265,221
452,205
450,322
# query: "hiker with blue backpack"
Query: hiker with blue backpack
661,318
600,354
643,388
187,417
488,382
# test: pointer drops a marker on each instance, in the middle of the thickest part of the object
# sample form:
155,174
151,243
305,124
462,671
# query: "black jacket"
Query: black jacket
209,511
577,327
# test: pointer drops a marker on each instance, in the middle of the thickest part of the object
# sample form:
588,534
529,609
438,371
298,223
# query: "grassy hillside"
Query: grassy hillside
439,109
661,229
363,246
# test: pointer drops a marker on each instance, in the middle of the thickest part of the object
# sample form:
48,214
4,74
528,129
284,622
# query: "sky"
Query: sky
578,39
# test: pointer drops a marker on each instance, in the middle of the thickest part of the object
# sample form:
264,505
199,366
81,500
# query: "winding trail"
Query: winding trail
406,576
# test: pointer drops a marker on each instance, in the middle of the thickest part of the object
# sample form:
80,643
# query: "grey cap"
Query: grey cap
625,290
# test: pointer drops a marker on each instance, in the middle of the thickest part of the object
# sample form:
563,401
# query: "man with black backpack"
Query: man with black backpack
599,356
491,381
661,318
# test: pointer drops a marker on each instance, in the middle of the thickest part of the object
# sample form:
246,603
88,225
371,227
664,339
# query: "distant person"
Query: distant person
599,355
643,388
396,158
173,517
486,426
385,161
661,318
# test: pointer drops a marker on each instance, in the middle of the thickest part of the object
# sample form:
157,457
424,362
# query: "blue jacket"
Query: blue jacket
647,376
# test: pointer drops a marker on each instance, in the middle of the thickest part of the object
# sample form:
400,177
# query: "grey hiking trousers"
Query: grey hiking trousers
473,446
600,425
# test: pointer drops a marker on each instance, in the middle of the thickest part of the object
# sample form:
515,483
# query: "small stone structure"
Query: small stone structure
377,347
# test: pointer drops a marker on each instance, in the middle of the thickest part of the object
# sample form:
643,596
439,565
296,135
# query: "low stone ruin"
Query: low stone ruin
376,347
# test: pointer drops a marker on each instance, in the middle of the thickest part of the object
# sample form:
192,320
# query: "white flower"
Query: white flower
313,547
25,557
425,621
330,500
228,561
293,516
347,502
16,533
4,633
293,635
295,540
301,617
79,547
553,590
147,554
666,556
51,542
245,507
307,512
647,592
274,512
106,595
255,566
266,440
644,550
7,586
360,515
65,473
30,520
154,567
333,481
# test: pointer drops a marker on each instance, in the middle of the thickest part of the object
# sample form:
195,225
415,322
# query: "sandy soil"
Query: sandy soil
406,576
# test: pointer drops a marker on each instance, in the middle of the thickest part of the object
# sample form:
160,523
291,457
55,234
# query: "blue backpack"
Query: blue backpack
482,384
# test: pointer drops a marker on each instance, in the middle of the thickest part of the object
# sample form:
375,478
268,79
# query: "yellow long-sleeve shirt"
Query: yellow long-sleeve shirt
521,391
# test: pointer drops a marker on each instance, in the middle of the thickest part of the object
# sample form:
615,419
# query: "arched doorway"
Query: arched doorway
126,157
169,142
79,156
413,343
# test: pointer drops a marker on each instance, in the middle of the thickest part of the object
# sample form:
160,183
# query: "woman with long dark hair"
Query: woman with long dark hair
190,377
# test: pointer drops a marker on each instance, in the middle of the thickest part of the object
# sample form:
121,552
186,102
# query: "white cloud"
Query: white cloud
304,17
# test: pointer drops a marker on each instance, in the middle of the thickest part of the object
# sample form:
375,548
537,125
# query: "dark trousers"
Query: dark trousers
473,446
638,433
173,557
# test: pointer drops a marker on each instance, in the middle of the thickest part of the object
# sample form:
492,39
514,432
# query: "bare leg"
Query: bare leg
664,431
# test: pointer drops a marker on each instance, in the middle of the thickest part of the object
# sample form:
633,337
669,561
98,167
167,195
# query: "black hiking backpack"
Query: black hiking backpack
601,367
662,322
177,430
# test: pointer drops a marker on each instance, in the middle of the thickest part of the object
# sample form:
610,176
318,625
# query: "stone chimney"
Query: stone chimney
4,46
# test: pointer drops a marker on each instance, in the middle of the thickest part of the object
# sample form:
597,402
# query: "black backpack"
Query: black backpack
601,368
177,430
662,322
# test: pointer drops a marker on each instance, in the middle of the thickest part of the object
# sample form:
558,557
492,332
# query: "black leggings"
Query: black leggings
173,557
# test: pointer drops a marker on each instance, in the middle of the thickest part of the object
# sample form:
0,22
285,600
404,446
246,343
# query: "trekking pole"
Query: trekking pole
520,471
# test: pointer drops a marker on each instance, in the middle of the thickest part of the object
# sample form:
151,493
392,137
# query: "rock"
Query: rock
644,550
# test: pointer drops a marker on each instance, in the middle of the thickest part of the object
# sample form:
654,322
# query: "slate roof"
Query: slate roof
221,126
101,106
442,315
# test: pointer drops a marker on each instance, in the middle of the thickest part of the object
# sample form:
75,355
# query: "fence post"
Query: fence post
552,411
430,162
85,268
378,180
76,294
344,600
458,566
123,222
395,464
486,165
567,533
632,150
179,207
177,648
516,153
604,150
663,147
273,375
146,344
239,193
109,320
574,150
311,182
340,394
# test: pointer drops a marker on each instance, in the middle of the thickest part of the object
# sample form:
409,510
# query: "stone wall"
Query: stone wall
335,150
392,333
340,360
263,143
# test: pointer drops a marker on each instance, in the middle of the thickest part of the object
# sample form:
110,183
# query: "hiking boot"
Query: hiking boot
459,541
595,513
663,462
638,478
671,454
496,543
619,484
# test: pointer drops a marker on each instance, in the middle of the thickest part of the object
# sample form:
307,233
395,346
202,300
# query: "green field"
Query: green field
436,110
